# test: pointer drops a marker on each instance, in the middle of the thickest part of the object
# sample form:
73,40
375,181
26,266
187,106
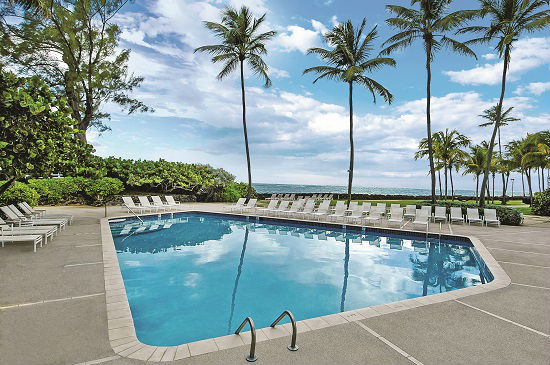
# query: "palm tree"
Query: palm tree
474,164
429,24
348,61
447,147
240,42
509,19
491,115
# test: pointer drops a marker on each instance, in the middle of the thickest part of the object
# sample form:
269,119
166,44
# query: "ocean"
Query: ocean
341,189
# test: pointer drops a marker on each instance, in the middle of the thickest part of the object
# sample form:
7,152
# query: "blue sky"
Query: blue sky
298,131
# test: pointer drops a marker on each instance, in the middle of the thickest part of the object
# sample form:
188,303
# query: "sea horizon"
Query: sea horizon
266,188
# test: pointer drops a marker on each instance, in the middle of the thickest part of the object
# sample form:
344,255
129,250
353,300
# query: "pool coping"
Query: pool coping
124,342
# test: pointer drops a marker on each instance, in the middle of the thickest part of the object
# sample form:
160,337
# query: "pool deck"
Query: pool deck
53,309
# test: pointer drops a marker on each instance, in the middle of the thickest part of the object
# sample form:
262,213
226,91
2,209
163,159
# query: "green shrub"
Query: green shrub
19,192
59,191
100,191
234,191
541,203
507,216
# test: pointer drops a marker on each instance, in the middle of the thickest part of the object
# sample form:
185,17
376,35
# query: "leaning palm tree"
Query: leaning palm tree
491,116
348,61
509,19
474,164
240,42
429,23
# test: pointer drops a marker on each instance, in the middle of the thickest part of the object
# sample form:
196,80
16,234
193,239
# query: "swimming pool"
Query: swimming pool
197,275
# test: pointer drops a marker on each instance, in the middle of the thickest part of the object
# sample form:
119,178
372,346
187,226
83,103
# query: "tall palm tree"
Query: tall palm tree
429,23
474,164
491,116
348,61
240,42
509,19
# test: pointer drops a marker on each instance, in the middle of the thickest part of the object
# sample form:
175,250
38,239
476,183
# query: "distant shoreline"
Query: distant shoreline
263,188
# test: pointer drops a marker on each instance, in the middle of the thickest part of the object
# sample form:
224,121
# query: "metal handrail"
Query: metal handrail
130,210
252,357
292,346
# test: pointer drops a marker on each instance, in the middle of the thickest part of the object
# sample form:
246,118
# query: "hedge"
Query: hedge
19,192
541,203
507,216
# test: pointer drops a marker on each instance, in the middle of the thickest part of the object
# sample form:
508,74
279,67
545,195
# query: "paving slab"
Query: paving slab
527,274
528,306
521,257
451,333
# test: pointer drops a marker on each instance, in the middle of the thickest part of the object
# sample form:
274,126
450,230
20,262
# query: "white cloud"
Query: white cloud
278,73
535,88
296,38
528,53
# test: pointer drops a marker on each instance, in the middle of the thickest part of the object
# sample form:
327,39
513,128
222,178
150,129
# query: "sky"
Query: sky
299,131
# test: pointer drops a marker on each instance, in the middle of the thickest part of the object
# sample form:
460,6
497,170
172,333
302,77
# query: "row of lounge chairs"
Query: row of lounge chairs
365,213
25,224
155,204
291,197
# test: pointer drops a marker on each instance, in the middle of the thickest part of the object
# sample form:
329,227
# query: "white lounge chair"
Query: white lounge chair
490,217
410,211
170,200
456,215
145,202
250,206
396,217
374,216
356,213
427,209
238,205
157,201
128,202
321,210
273,196
36,239
272,204
281,208
14,216
382,207
472,216
422,219
45,231
32,217
294,207
440,214
339,211
41,213
308,209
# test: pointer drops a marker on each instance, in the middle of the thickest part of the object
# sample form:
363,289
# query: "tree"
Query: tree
348,61
474,164
72,45
240,42
430,23
491,116
447,147
509,19
37,129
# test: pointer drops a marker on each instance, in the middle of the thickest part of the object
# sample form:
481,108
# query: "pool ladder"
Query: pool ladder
252,355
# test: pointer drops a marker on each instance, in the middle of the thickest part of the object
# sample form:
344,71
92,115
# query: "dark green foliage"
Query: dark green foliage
541,203
235,190
19,192
100,191
58,191
508,216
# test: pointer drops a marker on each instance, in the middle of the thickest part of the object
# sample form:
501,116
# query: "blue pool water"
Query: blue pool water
198,275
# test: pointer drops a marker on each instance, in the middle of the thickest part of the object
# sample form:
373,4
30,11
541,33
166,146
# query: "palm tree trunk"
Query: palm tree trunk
477,188
429,265
522,184
538,176
445,166
452,184
439,178
346,275
528,174
504,185
428,117
497,125
350,171
493,188
249,191
542,173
